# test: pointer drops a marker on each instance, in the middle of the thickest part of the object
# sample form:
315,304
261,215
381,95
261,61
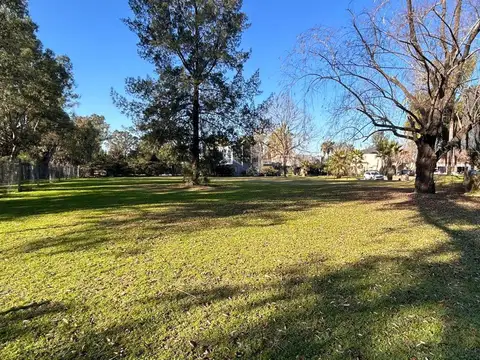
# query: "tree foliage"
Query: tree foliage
387,150
357,160
121,144
194,47
327,147
36,86
339,164
87,139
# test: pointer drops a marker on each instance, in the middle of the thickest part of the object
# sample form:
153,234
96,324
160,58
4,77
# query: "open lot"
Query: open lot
246,268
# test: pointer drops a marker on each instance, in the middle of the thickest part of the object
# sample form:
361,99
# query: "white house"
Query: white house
371,160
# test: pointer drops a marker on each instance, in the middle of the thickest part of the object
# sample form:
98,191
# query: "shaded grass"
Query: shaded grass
258,268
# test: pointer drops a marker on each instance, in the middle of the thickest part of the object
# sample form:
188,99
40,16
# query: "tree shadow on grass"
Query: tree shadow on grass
159,210
418,304
132,192
384,307
421,304
31,319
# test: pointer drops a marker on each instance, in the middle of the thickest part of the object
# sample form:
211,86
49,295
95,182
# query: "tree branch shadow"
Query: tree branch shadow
415,304
28,319
162,210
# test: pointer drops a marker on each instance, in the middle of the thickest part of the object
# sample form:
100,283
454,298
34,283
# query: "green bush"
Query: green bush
269,171
340,163
251,171
312,168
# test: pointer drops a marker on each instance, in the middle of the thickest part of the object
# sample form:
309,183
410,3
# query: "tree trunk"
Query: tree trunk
389,169
20,177
285,171
195,152
450,157
426,164
451,153
45,164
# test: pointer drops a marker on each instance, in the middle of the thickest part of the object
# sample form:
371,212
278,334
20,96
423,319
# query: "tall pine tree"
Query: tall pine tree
200,90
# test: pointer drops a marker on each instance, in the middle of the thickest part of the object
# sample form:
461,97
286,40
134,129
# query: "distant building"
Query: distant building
460,162
240,167
371,160
407,156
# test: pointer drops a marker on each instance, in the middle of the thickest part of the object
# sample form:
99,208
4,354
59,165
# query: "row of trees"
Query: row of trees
344,160
36,87
36,97
414,76
199,102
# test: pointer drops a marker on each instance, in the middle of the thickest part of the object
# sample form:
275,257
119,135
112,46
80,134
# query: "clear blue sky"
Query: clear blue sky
103,50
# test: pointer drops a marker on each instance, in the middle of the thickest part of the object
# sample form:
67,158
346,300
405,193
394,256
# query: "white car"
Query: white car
373,175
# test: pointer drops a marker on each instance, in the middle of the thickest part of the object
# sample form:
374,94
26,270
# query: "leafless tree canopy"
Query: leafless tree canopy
403,67
290,129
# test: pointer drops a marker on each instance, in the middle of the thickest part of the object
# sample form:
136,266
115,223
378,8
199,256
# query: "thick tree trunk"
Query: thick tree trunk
285,171
449,163
426,164
45,164
195,152
389,170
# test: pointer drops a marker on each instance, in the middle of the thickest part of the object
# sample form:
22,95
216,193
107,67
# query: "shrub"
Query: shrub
269,171
340,163
251,171
312,168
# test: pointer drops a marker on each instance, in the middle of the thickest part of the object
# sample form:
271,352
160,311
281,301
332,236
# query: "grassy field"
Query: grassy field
253,269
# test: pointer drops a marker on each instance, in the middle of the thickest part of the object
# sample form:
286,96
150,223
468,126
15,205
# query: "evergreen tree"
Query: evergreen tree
194,46
36,86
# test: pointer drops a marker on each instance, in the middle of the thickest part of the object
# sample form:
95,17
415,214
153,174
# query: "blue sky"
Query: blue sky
103,50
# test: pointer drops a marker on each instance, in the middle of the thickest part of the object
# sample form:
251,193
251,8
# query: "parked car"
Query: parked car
473,173
406,172
373,175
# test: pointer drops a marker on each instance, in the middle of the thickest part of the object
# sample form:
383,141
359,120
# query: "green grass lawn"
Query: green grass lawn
252,269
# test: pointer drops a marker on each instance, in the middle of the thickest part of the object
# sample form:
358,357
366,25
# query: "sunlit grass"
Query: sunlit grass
247,268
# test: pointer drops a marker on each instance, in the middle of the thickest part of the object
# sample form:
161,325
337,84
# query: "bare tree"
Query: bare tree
407,155
290,129
400,69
